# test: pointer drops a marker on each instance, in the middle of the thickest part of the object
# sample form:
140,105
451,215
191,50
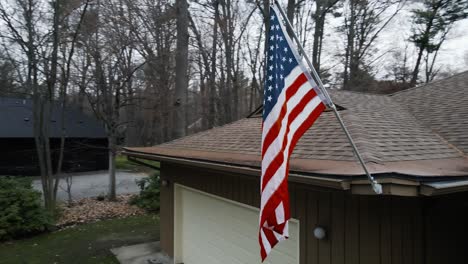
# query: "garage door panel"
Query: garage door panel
210,229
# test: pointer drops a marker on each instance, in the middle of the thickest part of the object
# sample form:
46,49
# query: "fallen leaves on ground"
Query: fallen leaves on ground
91,210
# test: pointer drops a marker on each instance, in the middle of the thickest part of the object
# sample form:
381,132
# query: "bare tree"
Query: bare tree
399,68
363,22
113,70
322,9
255,65
152,25
40,46
7,76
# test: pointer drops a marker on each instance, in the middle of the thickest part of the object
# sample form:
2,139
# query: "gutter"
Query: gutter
337,184
447,187
391,183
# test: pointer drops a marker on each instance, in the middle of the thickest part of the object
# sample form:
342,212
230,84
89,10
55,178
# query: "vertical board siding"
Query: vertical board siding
167,212
308,227
447,229
351,218
324,220
407,245
300,200
418,231
386,232
360,229
292,196
397,231
369,233
337,230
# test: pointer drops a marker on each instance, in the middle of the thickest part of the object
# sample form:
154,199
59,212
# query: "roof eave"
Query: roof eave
430,190
392,183
338,184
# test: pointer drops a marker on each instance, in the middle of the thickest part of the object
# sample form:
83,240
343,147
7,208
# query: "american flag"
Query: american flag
292,102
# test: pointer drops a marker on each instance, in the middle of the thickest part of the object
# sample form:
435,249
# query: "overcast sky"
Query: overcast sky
452,56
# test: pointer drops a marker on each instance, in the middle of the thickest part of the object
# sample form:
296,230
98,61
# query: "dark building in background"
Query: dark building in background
85,142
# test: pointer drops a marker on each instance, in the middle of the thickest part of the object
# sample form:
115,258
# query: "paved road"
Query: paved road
95,183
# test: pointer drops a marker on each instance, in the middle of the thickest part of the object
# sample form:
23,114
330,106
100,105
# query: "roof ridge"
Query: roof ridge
358,92
200,132
449,144
426,84
405,108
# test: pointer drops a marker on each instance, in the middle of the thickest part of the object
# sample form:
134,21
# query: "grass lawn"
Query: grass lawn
122,163
88,243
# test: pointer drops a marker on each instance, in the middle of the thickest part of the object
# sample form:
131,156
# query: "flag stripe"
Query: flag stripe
280,172
271,149
276,125
286,124
273,116
291,105
265,246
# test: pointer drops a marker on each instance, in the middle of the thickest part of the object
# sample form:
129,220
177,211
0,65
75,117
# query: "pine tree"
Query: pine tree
431,24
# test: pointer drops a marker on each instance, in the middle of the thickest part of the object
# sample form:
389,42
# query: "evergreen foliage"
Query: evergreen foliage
148,198
22,212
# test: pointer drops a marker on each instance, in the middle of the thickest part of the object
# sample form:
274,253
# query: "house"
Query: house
414,142
85,141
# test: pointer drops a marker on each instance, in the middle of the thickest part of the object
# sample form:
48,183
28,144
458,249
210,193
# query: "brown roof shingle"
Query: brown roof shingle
441,106
388,131
381,130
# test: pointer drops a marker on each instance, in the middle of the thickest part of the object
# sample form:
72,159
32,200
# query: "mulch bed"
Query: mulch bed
89,210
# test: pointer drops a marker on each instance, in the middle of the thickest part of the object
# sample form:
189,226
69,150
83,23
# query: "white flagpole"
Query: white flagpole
375,186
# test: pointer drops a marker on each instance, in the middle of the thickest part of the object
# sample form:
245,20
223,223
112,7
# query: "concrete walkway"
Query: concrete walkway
92,184
147,253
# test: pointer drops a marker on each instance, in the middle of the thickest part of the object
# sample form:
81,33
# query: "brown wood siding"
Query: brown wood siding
360,229
447,229
167,210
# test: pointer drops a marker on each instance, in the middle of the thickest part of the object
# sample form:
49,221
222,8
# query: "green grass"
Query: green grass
89,243
122,163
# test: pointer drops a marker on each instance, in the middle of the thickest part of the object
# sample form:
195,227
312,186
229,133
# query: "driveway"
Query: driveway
92,184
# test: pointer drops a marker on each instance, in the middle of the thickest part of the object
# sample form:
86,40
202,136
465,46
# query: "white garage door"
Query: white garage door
213,230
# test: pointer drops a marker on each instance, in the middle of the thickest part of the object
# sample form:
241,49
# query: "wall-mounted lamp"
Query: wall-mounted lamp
164,183
320,233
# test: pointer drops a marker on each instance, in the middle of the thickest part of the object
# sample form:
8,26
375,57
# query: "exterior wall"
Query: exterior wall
447,229
360,229
81,154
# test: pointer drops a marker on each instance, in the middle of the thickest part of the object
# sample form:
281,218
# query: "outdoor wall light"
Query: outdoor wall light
320,233
164,183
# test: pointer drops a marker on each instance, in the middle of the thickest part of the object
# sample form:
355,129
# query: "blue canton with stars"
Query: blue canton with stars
280,61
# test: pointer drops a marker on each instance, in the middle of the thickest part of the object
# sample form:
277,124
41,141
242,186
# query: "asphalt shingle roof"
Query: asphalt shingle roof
421,125
381,130
441,106
16,119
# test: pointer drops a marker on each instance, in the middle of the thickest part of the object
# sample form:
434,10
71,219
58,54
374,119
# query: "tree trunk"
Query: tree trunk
181,82
319,18
291,8
423,46
212,81
82,83
414,76
69,182
112,155
349,53
227,31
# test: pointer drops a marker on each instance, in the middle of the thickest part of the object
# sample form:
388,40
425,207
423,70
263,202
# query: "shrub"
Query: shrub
21,209
148,198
